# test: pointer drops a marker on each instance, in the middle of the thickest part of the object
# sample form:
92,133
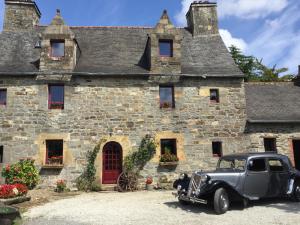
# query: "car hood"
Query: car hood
231,177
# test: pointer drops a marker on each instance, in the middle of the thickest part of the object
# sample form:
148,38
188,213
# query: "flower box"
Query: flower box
168,163
52,166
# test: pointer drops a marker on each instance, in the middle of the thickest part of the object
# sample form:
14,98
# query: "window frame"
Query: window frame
50,102
47,151
1,154
161,104
53,41
5,102
217,95
170,42
220,148
268,144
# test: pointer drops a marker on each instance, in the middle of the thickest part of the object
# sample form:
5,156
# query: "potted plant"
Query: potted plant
149,181
168,159
61,186
8,214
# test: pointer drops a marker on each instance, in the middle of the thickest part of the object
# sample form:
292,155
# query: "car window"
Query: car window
275,165
257,165
238,164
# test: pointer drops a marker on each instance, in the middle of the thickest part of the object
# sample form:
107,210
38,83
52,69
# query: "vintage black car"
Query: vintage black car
241,177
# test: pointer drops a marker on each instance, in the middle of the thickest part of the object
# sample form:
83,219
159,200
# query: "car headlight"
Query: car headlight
182,176
204,178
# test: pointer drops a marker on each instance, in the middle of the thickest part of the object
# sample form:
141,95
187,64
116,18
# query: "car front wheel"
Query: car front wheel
221,201
297,192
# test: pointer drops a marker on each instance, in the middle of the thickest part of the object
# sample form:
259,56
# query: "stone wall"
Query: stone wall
20,16
123,110
284,134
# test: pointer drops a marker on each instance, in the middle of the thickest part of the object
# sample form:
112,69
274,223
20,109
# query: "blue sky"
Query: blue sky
267,29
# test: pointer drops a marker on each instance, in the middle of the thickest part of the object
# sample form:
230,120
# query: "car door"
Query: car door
256,179
279,178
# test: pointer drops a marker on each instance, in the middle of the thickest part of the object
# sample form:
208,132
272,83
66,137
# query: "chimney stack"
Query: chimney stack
21,15
202,18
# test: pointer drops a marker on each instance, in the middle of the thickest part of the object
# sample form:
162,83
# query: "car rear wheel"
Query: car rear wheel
221,201
297,192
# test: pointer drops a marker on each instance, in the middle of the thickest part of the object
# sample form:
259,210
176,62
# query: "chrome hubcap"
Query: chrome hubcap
224,201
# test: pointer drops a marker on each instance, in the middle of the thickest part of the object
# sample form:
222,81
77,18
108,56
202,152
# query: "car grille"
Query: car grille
194,185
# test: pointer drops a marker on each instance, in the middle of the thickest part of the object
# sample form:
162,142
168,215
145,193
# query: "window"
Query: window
56,97
257,165
57,48
3,96
270,144
168,146
54,154
275,165
166,48
217,149
1,154
214,95
166,95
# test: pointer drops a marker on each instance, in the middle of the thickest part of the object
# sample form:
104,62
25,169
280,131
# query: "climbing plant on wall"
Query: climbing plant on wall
86,180
134,163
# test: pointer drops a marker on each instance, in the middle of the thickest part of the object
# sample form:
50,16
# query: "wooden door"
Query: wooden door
112,163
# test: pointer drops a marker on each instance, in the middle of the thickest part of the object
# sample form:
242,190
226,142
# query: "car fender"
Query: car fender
211,187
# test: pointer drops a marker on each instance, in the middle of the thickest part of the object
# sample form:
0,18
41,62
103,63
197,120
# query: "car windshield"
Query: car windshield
232,164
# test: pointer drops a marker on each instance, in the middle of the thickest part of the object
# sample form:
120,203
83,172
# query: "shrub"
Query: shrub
23,172
61,186
12,190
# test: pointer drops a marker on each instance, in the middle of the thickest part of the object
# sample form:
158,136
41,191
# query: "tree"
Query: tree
255,70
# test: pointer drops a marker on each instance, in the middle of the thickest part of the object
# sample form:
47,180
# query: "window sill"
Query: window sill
54,166
57,58
168,163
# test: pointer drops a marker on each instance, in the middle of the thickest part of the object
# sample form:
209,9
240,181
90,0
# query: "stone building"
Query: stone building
64,88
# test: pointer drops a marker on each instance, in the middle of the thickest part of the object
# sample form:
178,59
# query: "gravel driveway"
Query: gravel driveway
155,208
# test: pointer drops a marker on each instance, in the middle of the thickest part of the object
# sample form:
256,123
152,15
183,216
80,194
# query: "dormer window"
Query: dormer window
57,48
166,48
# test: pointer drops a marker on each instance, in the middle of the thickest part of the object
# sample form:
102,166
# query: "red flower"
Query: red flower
7,168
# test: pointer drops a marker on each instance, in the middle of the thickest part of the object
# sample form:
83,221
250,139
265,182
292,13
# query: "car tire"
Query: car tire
221,201
245,203
296,192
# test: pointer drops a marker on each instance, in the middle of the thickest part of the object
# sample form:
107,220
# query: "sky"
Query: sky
266,29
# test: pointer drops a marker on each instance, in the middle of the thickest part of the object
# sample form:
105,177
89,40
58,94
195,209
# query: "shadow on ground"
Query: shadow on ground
281,204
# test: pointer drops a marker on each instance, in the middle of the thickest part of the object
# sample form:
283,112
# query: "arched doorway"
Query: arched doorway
112,162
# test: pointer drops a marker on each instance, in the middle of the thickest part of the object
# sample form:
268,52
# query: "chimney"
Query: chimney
202,18
21,15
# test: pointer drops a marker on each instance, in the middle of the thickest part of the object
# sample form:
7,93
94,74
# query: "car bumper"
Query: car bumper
189,199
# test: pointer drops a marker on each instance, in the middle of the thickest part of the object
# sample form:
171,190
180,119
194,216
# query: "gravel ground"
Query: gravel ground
155,208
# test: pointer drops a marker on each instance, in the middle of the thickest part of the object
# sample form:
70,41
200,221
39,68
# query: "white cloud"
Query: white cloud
229,40
246,9
250,9
278,41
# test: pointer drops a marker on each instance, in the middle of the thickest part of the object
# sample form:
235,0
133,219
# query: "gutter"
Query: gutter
272,121
118,74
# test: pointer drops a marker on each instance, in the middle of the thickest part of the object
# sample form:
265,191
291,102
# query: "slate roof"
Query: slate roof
272,102
119,50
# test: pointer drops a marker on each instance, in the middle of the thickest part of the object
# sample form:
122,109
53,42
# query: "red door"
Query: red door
112,163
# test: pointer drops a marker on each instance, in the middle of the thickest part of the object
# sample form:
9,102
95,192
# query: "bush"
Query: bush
23,172
12,190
